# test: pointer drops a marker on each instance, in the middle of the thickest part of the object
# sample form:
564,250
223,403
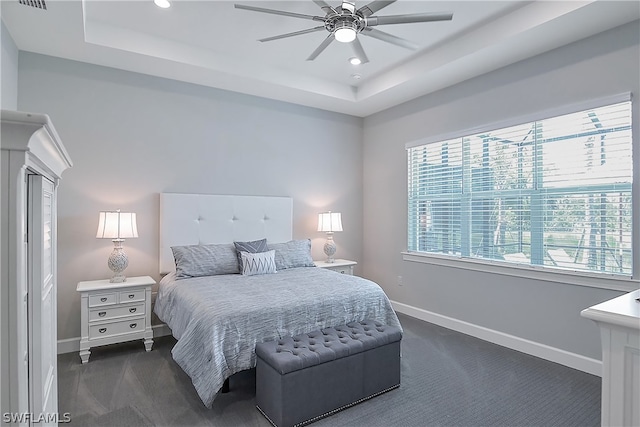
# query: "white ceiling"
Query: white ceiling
213,44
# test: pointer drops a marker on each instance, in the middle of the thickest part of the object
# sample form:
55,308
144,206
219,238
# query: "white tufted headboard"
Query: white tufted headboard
192,219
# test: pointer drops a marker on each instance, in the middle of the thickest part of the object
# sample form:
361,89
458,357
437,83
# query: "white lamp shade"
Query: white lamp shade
329,221
117,225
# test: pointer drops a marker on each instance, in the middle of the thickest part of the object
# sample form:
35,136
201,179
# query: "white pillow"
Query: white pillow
258,263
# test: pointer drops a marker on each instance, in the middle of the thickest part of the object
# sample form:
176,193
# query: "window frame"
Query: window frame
541,272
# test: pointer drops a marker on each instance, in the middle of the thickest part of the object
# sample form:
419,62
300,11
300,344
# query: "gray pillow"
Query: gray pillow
295,253
205,260
253,247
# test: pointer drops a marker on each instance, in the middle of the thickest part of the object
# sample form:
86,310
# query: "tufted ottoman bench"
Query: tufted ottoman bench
306,377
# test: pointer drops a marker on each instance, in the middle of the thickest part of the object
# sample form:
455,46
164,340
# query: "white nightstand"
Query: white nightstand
343,266
115,312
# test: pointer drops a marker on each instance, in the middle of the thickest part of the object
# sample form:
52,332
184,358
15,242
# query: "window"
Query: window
553,192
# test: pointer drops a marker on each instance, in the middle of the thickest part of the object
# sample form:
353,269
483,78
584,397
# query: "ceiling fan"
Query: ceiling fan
345,22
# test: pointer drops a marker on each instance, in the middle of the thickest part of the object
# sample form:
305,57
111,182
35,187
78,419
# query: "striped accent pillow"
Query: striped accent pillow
258,263
251,247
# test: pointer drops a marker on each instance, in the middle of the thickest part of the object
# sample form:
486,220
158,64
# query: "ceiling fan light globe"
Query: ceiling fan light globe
345,35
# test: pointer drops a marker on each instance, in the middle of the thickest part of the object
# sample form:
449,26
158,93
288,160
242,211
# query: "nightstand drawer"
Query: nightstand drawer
342,270
115,312
102,299
116,328
132,296
343,266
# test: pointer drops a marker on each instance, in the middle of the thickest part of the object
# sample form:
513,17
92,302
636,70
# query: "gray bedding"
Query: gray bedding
218,320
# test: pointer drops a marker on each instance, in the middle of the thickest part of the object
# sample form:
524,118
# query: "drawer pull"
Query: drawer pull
102,313
131,296
133,325
102,330
103,299
132,310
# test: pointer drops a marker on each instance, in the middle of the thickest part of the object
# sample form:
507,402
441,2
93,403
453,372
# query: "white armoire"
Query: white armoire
32,161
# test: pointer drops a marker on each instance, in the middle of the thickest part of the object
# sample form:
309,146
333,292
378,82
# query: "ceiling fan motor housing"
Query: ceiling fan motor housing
346,19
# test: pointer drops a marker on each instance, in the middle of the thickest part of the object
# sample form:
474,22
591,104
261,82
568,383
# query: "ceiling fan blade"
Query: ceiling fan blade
295,33
374,6
408,19
389,38
357,47
325,7
279,12
320,48
349,5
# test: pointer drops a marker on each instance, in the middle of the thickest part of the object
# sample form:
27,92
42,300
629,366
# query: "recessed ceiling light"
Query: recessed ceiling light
162,3
355,61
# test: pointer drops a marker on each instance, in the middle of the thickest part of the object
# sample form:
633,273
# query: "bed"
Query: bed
218,319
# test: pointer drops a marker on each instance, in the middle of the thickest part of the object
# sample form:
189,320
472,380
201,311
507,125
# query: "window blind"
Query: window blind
554,192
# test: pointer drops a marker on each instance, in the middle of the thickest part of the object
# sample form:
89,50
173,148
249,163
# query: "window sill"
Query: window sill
608,281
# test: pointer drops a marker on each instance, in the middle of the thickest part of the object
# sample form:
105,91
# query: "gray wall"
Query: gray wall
544,312
8,70
133,136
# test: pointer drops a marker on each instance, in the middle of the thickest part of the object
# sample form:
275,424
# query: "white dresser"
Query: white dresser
114,313
619,322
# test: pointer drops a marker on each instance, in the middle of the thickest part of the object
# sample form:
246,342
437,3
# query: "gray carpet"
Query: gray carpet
448,379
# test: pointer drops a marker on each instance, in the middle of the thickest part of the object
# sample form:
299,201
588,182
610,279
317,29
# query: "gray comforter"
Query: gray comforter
218,320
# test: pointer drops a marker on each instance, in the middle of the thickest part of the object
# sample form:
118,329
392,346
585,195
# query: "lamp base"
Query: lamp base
118,279
330,248
118,262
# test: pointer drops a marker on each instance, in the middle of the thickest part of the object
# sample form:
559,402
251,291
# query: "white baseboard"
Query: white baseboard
69,345
563,357
543,351
72,345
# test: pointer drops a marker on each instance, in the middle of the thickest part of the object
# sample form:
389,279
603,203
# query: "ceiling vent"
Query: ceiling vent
38,4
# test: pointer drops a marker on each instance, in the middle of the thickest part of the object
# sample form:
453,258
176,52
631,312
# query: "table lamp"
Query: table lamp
117,226
329,222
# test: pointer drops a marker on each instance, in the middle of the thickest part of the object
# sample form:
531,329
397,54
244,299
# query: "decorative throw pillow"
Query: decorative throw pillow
295,253
205,260
258,263
251,247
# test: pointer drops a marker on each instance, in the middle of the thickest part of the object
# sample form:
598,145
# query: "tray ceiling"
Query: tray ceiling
212,43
